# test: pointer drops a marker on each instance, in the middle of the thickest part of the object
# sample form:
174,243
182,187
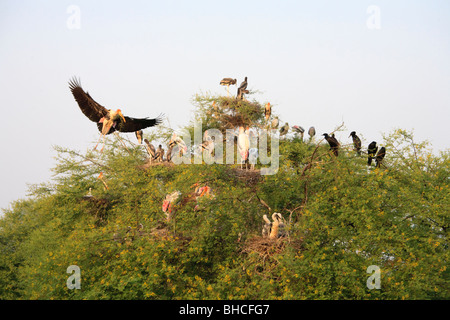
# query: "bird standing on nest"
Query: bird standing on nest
243,145
242,89
278,227
108,121
228,82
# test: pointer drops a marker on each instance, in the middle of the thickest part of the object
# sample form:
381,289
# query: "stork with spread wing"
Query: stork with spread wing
108,120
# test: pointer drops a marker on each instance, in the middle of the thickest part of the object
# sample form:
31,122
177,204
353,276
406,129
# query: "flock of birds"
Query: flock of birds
112,121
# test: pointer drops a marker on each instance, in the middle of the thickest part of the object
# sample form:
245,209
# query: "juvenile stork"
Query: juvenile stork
380,156
299,130
108,120
242,89
228,82
267,111
284,129
311,132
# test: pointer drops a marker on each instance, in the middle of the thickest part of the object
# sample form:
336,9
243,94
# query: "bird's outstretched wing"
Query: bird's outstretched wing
91,109
136,124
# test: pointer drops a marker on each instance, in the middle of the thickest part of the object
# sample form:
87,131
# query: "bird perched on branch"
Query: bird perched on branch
284,129
311,132
372,151
228,82
356,142
299,130
242,89
275,123
334,144
267,111
108,120
380,156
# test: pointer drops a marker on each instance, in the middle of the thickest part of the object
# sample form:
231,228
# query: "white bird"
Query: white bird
243,145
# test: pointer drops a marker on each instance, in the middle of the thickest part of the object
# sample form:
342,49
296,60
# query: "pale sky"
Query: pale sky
318,62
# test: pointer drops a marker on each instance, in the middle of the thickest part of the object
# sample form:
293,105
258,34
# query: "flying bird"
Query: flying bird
380,156
372,151
356,142
267,111
108,120
311,132
334,144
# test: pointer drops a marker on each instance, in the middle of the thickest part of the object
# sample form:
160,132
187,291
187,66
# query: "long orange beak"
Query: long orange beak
121,115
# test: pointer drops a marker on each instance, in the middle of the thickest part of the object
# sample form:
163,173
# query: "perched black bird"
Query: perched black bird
334,144
356,142
380,156
242,89
372,151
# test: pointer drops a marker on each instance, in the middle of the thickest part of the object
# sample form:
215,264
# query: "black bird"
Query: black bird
242,88
107,120
380,156
372,151
356,142
334,144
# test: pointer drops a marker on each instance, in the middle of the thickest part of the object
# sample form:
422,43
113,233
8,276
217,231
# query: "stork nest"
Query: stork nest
232,112
251,177
266,247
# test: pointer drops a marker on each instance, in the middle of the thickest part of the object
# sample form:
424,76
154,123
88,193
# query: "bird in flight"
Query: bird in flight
108,120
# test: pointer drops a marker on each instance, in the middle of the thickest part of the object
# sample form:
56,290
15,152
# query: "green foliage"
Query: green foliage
341,218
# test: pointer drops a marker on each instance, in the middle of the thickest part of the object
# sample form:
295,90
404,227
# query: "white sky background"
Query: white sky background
317,62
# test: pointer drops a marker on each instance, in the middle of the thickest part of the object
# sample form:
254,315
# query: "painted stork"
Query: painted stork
176,141
278,226
208,145
380,156
356,142
299,130
311,132
372,151
334,144
228,82
150,149
159,155
275,123
267,227
242,89
267,111
139,134
168,204
284,129
100,177
108,120
243,145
